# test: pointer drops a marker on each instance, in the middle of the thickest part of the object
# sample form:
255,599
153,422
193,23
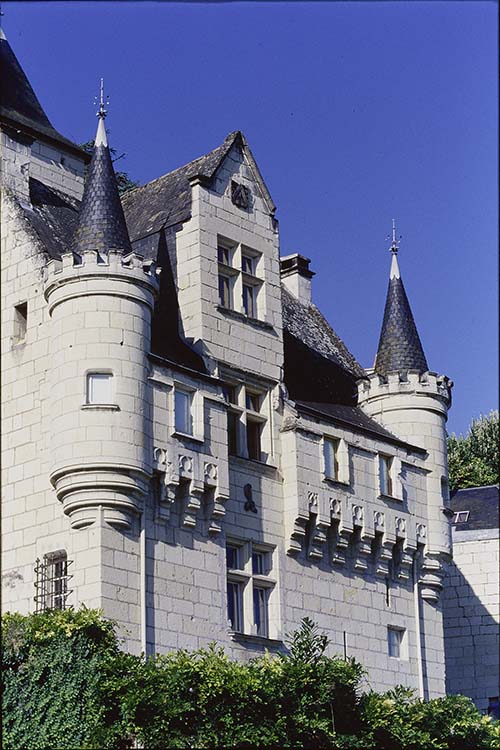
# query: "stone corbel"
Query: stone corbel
431,579
194,498
298,534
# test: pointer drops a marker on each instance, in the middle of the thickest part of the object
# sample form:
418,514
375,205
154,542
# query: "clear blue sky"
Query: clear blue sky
357,112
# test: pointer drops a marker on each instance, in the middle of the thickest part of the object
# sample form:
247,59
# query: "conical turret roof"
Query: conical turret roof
101,223
399,348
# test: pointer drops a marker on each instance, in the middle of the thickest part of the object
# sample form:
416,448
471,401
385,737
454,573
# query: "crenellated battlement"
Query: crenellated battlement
409,383
93,273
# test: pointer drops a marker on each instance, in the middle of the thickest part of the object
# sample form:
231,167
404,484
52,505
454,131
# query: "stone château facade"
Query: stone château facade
188,445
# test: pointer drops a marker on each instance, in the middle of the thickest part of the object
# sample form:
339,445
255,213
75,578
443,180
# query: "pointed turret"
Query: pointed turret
101,224
399,348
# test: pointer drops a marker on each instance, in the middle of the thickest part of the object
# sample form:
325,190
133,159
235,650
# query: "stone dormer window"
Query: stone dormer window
239,278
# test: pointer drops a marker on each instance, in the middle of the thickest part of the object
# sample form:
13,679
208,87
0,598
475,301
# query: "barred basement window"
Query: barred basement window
51,582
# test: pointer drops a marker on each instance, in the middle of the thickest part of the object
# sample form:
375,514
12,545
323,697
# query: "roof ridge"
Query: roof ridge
230,137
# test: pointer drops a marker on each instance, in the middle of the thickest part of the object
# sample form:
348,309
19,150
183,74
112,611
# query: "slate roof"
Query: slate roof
482,504
399,347
316,359
19,105
355,418
167,200
101,223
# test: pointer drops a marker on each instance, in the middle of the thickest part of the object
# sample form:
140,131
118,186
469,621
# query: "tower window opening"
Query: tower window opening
183,407
20,321
99,388
385,475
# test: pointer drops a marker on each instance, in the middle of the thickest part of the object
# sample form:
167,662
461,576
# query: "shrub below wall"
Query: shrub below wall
68,685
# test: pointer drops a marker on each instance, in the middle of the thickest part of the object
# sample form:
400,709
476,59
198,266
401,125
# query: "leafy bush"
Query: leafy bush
67,685
473,458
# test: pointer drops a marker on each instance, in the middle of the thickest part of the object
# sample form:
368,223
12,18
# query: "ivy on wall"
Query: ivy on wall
66,684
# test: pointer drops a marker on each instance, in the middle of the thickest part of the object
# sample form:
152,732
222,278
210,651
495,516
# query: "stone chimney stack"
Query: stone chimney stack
296,276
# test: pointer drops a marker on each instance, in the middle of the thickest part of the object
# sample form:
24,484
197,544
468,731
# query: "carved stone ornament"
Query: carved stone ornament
240,194
378,521
400,528
185,465
357,515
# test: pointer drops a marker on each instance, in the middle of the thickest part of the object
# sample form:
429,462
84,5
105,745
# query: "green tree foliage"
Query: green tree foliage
67,685
473,459
122,179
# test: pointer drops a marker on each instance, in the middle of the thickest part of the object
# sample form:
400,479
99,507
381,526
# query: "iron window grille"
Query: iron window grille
51,581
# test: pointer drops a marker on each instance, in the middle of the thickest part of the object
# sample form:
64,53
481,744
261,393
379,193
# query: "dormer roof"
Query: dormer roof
20,109
166,201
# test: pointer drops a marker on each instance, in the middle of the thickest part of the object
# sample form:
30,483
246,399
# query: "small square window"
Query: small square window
385,475
248,265
461,516
395,642
183,411
252,401
260,563
99,388
224,255
20,321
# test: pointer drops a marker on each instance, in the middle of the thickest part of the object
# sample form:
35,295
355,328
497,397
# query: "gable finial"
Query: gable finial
2,35
395,240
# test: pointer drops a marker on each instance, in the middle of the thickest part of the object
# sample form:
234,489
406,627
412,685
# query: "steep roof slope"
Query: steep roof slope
19,105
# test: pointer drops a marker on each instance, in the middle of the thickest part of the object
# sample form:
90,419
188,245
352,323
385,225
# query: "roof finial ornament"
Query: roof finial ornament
394,274
101,139
395,240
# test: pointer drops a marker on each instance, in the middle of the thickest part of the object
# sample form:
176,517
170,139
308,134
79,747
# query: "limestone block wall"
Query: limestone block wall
228,335
23,158
472,616
32,520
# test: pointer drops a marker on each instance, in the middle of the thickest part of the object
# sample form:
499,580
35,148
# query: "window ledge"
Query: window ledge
255,322
100,407
247,639
390,497
186,436
342,482
269,465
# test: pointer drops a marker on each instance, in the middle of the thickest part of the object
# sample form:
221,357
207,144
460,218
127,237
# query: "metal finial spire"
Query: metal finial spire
395,240
101,139
2,35
394,274
102,111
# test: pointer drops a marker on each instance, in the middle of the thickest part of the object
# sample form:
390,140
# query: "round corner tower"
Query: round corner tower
413,402
100,297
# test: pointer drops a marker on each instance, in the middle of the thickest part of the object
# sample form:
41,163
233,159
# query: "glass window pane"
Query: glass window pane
99,388
232,433
234,608
247,264
223,255
224,291
260,611
331,458
253,440
252,401
232,557
394,642
249,300
183,416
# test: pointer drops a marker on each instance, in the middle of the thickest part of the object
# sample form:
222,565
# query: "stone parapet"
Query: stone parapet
411,383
